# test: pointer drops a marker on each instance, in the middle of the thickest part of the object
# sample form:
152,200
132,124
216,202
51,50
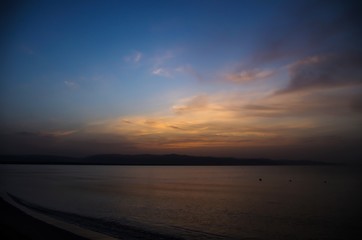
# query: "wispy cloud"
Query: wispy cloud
323,72
249,75
161,72
308,32
52,134
197,103
228,121
161,64
59,133
200,129
135,57
173,71
71,143
71,85
166,64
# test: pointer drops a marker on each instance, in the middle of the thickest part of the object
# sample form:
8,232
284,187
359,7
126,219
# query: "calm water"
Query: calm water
201,202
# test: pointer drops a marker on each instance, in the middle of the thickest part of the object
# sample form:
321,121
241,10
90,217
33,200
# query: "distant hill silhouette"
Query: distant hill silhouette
148,159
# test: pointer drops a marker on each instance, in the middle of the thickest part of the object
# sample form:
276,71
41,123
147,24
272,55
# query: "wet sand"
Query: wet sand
15,224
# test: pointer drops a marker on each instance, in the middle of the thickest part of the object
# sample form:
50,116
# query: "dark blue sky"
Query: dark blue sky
235,78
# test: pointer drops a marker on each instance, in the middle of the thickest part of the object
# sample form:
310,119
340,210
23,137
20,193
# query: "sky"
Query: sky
248,79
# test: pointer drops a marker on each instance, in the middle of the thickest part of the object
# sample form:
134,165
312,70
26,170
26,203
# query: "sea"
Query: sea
193,202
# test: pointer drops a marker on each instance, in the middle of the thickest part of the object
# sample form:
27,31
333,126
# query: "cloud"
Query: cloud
235,121
308,31
199,102
249,75
162,64
256,107
316,105
161,72
52,134
197,129
320,72
77,145
59,133
71,85
172,71
135,57
196,121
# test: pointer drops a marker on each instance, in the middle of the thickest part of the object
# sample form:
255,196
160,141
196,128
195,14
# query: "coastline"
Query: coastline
15,224
100,229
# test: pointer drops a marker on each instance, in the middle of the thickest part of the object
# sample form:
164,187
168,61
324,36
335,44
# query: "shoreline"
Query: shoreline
83,226
15,224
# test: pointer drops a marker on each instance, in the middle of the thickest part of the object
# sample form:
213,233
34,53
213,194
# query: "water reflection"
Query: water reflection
230,202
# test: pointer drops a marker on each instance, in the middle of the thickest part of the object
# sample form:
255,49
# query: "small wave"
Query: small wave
110,228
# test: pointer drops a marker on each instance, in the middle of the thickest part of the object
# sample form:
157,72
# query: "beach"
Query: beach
15,224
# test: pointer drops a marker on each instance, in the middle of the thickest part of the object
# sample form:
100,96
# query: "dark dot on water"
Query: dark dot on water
260,179
325,181
290,180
